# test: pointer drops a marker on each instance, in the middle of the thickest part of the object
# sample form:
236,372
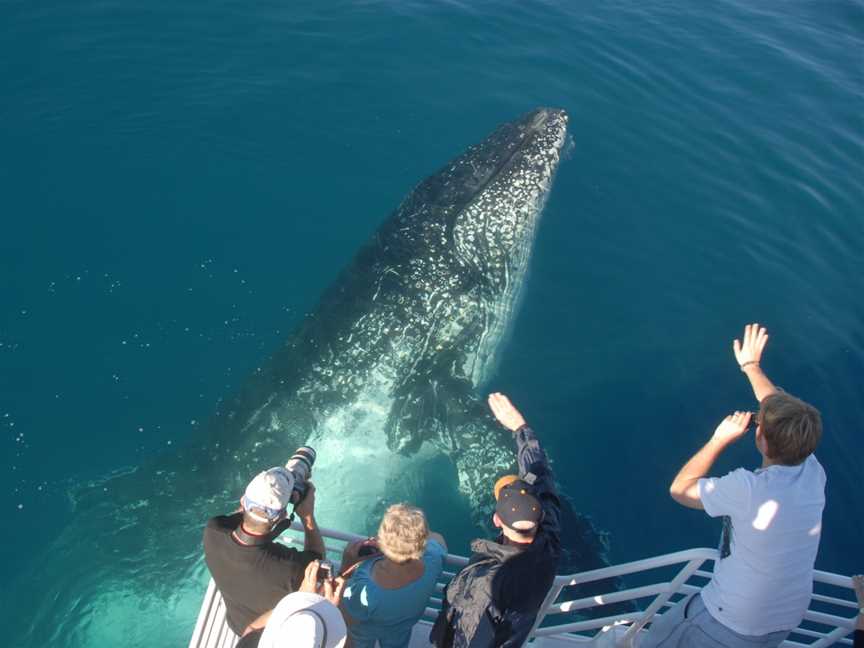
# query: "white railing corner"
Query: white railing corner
660,600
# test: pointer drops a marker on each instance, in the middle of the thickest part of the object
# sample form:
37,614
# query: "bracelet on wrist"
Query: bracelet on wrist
749,362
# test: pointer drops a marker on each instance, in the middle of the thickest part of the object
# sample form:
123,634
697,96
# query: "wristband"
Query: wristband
749,362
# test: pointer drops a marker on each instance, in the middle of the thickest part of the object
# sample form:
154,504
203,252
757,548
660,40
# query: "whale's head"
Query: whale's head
506,179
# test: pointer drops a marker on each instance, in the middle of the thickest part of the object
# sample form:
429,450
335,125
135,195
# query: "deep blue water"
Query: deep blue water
181,180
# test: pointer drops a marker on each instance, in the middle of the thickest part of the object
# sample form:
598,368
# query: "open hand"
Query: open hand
505,412
750,351
732,428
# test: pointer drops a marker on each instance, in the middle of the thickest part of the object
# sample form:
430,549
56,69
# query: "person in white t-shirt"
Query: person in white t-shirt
760,591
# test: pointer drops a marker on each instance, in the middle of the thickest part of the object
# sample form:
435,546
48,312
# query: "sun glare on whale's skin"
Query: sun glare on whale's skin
429,301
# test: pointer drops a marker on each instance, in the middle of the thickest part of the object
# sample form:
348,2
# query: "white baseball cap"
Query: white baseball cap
269,493
304,620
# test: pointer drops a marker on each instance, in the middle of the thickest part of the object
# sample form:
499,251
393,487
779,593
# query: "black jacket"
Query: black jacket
493,601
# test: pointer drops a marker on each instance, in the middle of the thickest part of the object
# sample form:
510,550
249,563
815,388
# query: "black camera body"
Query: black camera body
300,466
325,571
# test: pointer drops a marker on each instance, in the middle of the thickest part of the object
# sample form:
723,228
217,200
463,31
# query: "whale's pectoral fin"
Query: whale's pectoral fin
411,418
424,407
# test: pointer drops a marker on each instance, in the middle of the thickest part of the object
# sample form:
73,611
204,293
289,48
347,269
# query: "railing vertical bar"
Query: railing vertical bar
551,595
219,624
203,614
685,573
212,624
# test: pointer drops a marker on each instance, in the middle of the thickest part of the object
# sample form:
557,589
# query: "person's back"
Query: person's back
251,571
776,513
251,578
508,583
387,594
494,600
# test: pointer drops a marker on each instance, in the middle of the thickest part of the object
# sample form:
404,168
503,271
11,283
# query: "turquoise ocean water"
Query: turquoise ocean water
181,180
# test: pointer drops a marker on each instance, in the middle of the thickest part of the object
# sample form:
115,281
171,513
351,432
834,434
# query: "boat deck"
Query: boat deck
565,623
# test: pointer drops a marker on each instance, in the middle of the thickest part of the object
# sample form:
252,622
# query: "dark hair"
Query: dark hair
792,428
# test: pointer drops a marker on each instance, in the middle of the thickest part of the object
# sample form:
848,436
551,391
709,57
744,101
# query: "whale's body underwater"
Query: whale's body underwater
382,378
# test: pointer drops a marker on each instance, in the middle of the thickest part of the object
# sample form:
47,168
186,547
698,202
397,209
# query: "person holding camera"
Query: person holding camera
307,618
390,588
251,570
493,601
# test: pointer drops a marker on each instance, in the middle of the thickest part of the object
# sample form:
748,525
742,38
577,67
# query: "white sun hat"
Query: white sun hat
269,494
304,620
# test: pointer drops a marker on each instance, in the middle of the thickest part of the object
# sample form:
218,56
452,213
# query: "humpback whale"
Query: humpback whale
383,377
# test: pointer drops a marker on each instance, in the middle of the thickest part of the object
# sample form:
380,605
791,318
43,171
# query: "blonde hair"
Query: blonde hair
403,533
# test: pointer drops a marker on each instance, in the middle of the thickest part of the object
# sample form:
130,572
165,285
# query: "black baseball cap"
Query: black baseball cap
516,506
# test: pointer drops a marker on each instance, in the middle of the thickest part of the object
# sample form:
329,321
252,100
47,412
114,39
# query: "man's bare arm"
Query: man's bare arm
312,538
748,354
685,486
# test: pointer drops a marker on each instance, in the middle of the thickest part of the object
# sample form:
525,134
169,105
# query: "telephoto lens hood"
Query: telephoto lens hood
306,454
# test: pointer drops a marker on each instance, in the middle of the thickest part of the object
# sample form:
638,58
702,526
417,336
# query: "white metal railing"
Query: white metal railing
580,621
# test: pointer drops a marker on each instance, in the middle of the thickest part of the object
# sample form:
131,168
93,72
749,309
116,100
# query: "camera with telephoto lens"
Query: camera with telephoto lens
300,466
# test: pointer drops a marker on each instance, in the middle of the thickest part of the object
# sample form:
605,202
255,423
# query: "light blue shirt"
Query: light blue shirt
389,614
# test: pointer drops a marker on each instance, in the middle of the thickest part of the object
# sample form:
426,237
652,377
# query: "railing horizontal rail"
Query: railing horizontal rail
598,600
832,579
804,632
829,619
589,624
834,601
450,559
637,566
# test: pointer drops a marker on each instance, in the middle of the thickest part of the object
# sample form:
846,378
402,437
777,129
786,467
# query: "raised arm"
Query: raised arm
529,455
531,459
748,354
312,538
685,486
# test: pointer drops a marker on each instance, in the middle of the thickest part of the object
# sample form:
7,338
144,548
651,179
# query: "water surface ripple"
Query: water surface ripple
181,180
